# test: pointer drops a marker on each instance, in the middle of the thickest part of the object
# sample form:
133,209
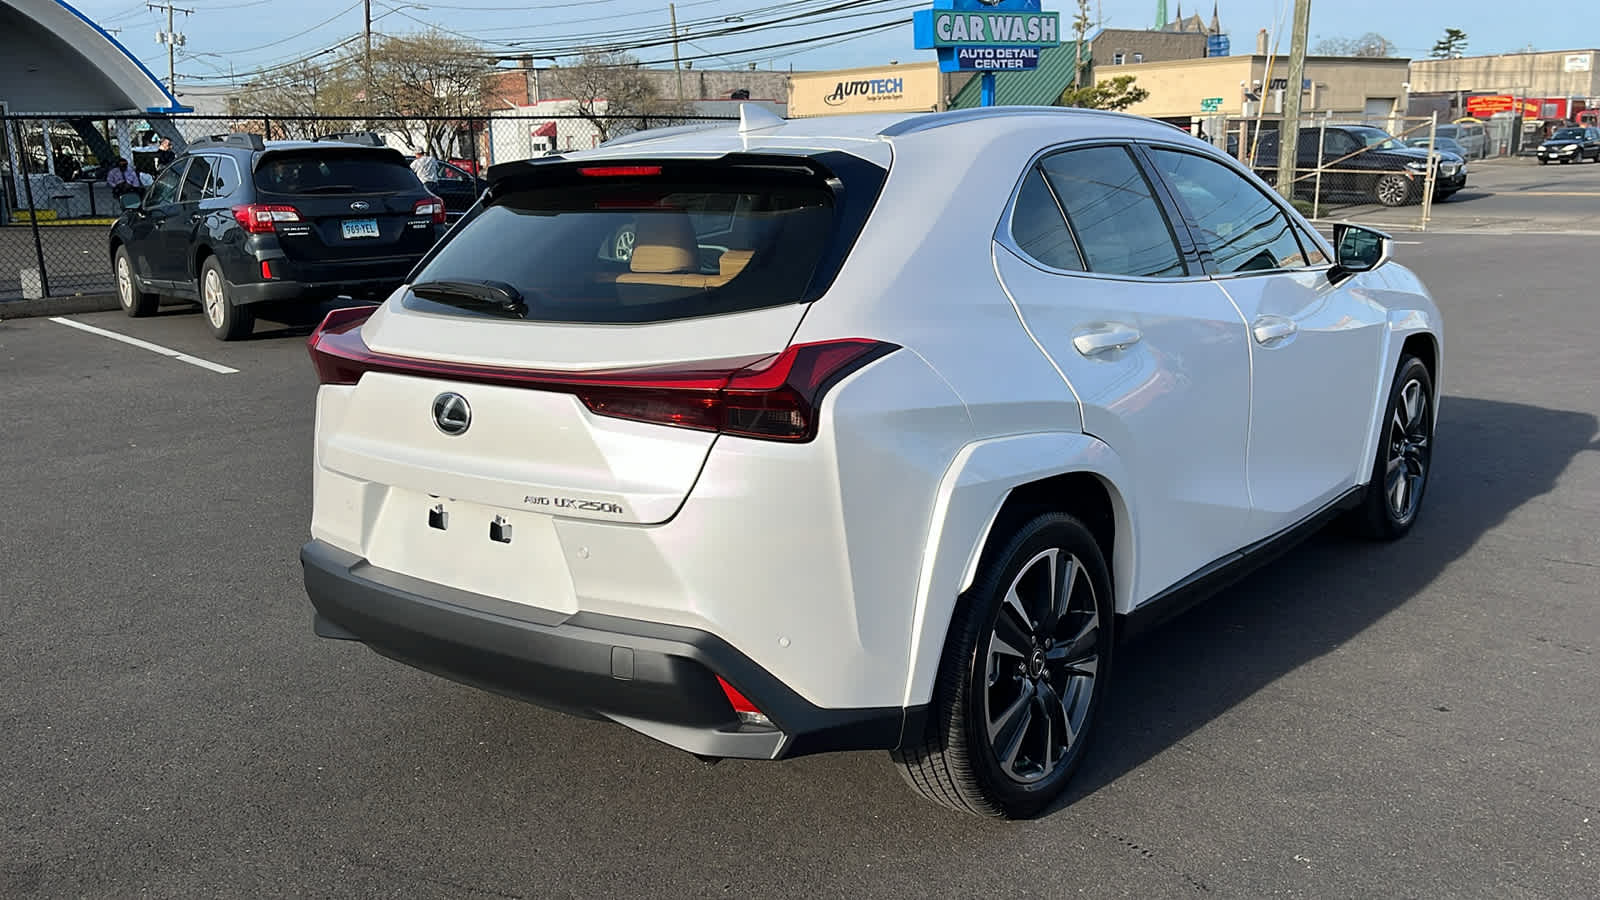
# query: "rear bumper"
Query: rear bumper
659,680
312,291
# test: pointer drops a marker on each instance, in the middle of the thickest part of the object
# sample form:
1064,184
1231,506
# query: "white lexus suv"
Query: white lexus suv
864,432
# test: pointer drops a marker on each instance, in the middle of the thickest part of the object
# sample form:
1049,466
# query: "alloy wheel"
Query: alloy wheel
1409,452
124,283
213,299
1392,190
1041,664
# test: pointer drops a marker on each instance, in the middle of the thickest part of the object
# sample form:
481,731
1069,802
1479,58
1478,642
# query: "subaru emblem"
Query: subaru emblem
360,205
451,414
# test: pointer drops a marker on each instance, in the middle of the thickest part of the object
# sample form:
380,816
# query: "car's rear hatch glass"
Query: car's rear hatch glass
352,203
649,241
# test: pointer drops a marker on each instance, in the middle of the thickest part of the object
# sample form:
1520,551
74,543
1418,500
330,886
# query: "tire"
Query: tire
1543,161
1050,687
1406,442
1393,189
228,321
135,301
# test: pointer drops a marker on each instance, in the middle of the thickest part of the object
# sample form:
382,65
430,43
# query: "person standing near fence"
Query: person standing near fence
165,156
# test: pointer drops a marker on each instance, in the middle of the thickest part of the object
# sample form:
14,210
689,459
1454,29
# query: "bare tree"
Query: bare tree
1371,45
304,89
427,85
610,91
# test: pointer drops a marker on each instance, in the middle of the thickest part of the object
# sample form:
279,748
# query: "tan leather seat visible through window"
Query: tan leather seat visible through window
666,254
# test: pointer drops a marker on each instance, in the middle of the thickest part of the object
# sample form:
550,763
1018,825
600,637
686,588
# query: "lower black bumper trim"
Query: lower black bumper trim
657,679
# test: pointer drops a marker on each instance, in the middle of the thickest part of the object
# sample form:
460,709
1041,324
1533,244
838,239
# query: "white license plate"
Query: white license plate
360,228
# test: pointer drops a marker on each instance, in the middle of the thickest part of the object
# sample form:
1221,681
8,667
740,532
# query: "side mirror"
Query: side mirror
1358,249
130,201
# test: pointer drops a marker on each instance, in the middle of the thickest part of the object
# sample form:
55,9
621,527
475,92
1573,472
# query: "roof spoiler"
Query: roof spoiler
237,139
364,138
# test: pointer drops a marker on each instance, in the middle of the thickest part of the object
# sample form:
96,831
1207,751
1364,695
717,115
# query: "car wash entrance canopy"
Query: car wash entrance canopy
53,59
986,35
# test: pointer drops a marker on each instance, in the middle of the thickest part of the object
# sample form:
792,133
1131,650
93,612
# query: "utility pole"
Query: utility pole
173,40
366,58
672,11
1289,131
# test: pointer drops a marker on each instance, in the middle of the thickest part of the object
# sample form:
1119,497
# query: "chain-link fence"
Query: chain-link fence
1374,168
60,179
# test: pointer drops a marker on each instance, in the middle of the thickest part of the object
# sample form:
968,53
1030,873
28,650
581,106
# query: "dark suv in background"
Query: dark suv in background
1365,162
236,221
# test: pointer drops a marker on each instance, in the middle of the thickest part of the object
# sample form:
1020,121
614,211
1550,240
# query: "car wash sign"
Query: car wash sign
986,35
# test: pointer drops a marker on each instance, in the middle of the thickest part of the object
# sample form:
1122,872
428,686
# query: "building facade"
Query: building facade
907,87
1233,86
1553,85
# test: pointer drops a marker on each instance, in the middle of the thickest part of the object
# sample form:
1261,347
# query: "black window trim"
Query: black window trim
1176,226
1301,228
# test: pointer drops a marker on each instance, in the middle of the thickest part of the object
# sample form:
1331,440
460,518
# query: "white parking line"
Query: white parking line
146,345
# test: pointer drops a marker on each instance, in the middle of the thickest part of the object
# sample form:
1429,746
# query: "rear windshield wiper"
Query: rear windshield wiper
491,297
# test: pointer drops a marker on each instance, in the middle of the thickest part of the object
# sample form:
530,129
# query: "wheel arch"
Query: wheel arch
197,258
996,484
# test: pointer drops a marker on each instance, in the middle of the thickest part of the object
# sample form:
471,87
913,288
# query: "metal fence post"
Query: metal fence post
33,214
1433,168
1316,191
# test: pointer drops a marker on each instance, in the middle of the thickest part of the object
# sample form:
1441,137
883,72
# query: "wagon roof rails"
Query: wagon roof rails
365,138
236,139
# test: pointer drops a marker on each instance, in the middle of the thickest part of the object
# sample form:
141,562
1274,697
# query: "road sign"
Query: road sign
1211,104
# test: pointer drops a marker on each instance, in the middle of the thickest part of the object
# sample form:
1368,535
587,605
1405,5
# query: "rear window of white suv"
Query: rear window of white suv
640,243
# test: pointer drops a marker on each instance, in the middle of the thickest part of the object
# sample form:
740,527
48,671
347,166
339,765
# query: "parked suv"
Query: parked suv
1571,144
1364,162
237,221
749,441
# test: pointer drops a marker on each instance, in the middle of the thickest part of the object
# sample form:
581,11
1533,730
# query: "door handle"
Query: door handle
1272,329
1106,338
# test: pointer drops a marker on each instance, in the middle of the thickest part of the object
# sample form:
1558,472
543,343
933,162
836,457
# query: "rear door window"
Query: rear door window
322,172
1112,210
639,249
194,183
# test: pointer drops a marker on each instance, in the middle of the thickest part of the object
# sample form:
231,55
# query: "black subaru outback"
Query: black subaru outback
236,221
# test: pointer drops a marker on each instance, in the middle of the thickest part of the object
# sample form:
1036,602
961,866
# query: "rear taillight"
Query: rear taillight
334,367
742,707
432,207
264,218
773,398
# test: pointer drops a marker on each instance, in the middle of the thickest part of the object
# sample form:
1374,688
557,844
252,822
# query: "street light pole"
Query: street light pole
1289,131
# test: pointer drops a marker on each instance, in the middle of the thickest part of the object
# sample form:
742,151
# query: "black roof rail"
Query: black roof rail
237,139
365,138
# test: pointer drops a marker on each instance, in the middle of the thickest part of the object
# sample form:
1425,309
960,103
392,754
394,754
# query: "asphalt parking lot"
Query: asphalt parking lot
1408,720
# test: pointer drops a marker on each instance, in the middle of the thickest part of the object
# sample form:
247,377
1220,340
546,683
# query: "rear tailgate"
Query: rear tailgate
352,203
620,323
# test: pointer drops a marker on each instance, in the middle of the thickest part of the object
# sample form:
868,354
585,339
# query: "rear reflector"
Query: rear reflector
619,171
747,712
776,398
266,270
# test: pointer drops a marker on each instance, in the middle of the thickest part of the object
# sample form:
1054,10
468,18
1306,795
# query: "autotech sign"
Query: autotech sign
872,90
912,87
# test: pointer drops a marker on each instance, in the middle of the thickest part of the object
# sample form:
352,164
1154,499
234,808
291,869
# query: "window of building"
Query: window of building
1138,57
1117,58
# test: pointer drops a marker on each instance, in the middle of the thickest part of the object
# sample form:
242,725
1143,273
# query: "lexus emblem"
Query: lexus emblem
451,414
360,206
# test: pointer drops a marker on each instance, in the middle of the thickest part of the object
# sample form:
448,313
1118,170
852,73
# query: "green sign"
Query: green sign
1211,104
952,28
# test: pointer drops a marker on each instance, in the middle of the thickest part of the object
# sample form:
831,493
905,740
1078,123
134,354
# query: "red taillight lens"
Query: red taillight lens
432,207
774,398
619,171
337,351
742,707
263,218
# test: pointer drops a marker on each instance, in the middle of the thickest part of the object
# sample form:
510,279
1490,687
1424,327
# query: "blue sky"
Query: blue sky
249,33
